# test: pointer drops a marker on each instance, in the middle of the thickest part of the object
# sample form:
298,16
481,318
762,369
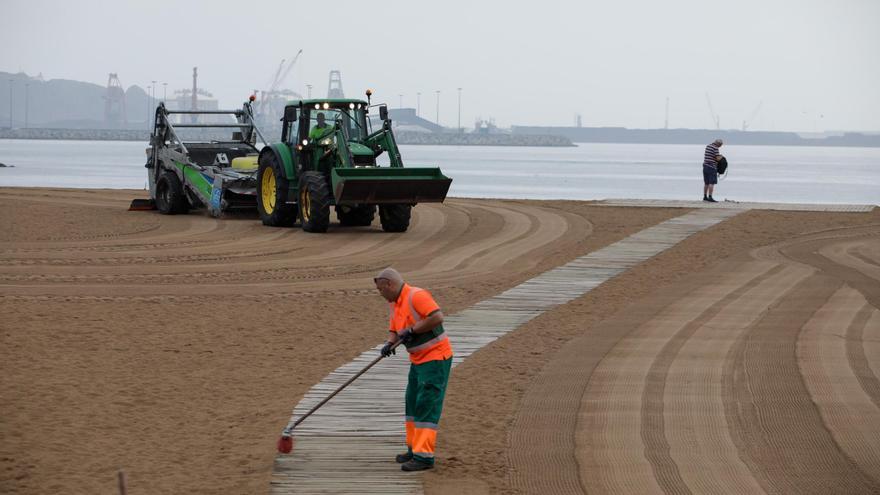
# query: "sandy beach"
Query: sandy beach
174,347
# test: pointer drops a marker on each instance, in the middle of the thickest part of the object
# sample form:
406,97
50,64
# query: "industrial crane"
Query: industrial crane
715,118
751,119
280,75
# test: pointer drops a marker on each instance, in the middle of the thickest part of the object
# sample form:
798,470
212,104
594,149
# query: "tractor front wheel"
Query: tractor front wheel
314,202
272,188
170,198
395,218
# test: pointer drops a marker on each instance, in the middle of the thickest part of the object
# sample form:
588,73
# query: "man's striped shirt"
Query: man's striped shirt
709,158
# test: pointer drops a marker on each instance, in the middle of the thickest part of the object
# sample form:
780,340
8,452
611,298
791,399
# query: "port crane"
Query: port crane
751,119
715,118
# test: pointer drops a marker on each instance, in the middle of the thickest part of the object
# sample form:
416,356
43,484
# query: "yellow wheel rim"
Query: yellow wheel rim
305,204
268,191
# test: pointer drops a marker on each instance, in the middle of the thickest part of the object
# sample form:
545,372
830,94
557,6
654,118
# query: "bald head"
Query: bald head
391,275
388,283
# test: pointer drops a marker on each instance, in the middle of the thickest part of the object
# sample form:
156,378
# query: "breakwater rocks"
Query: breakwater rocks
453,139
403,137
77,134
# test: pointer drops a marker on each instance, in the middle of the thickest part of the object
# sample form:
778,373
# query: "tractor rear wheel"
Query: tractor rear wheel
356,216
272,188
314,202
170,198
395,218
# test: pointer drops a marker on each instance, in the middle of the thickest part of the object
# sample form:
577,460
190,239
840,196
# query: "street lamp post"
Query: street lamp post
418,104
310,90
26,86
400,104
459,109
10,104
438,107
149,104
164,92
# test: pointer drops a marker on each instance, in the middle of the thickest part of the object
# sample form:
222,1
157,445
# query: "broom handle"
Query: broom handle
347,383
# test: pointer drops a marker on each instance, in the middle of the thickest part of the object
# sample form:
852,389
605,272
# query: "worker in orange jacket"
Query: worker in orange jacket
416,320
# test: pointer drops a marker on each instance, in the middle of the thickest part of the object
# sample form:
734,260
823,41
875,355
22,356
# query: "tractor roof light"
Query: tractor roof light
305,142
351,106
326,106
317,106
252,98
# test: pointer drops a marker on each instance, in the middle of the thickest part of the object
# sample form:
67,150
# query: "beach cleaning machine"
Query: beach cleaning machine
328,157
211,172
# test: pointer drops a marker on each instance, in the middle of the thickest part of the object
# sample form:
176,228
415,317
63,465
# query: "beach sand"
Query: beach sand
174,347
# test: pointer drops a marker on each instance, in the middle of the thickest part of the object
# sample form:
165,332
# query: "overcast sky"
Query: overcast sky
815,64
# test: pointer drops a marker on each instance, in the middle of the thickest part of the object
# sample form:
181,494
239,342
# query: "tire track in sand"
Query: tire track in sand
850,413
608,442
774,422
203,255
683,422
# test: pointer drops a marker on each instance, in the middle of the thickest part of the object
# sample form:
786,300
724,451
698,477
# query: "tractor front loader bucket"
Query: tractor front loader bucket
142,205
389,185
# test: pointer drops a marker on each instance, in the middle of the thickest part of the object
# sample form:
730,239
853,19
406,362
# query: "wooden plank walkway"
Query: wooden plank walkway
673,203
348,446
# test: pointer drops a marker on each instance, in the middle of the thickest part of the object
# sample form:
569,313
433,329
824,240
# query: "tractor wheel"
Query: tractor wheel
314,202
356,216
395,218
170,198
272,188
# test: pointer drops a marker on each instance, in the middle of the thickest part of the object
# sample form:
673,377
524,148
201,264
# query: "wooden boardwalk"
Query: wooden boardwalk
348,446
736,205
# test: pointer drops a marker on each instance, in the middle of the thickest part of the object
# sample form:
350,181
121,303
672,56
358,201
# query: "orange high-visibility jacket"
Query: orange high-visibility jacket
413,305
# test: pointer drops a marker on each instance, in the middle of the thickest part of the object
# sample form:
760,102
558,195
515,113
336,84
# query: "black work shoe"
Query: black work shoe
711,200
414,465
705,198
401,458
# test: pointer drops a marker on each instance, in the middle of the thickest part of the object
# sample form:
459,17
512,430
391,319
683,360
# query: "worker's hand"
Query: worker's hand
387,349
405,335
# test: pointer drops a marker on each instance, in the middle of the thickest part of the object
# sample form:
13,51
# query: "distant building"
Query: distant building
182,100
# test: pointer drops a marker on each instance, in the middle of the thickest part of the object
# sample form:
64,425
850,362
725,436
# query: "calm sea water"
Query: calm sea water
586,172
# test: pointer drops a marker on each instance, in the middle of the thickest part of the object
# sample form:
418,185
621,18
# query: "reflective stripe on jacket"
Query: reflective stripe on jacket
412,306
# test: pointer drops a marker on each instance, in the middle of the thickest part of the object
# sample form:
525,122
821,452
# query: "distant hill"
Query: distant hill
64,103
698,136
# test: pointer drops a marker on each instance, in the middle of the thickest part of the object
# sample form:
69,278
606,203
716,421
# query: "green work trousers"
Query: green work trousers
424,403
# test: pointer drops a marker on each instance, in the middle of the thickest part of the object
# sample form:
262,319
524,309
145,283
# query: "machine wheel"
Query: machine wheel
314,202
395,218
170,198
272,188
356,216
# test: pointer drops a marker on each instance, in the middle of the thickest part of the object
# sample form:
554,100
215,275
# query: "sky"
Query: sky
808,66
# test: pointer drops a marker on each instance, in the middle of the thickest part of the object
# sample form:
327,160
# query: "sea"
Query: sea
589,171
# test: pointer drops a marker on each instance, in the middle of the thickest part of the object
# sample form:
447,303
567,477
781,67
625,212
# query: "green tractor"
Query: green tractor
327,158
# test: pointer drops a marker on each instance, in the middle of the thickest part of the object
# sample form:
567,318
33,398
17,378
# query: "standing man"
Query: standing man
710,169
417,321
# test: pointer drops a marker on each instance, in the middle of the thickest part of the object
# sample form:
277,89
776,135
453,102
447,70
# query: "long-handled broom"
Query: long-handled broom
285,443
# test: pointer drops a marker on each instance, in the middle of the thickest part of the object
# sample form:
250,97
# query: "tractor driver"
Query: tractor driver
321,129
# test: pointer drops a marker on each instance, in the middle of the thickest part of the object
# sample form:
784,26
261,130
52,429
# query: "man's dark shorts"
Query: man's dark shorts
710,175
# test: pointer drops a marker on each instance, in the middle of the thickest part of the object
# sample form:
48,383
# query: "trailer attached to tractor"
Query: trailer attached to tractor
219,175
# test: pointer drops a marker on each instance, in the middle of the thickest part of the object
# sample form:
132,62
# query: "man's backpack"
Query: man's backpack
722,165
